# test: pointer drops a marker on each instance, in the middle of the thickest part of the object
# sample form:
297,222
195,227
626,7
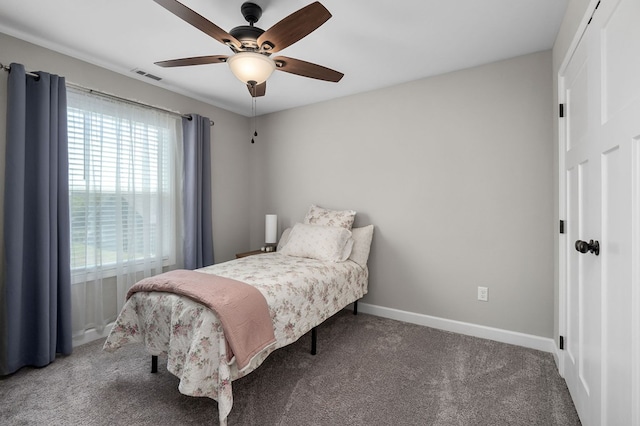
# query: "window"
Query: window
124,177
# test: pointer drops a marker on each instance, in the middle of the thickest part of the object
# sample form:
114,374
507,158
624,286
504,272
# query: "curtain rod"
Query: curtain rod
109,95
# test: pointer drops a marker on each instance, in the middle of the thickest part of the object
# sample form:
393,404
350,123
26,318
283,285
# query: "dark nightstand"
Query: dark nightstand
249,253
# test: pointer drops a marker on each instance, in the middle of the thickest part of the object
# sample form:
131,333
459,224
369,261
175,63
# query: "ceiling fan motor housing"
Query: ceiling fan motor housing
247,35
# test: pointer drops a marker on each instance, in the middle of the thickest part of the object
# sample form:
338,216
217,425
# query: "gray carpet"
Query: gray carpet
368,371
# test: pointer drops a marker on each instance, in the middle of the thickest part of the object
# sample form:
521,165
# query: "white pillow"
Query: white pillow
283,239
361,244
327,243
319,216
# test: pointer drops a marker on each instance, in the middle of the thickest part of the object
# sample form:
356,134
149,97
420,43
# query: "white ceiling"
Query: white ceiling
375,43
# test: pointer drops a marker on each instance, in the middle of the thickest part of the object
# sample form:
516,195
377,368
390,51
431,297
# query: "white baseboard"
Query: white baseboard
544,344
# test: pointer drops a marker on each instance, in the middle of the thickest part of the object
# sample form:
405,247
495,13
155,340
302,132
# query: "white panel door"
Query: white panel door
582,176
619,34
602,174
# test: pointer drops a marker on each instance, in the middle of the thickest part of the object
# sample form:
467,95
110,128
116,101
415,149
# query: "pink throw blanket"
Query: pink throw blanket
241,308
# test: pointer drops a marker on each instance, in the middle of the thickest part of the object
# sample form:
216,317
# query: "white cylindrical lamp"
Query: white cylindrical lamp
271,229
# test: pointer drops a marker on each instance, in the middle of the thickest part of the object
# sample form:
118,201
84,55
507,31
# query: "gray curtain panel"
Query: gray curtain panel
37,288
198,235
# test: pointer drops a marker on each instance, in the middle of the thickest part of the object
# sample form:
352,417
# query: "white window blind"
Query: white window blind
124,182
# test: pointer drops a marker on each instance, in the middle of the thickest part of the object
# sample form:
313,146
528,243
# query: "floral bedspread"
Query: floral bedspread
301,293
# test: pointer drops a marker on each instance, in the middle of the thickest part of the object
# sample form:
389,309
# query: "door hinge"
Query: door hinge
562,226
561,343
561,110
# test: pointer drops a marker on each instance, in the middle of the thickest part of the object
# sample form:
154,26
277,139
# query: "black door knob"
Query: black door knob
591,246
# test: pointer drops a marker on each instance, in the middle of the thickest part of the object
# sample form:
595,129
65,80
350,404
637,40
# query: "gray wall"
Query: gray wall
456,173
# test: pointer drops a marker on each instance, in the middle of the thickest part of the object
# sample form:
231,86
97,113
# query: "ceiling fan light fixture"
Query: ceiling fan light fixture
251,67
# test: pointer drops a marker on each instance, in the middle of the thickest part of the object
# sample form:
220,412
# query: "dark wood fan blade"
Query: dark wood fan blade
197,60
294,27
307,69
198,21
257,90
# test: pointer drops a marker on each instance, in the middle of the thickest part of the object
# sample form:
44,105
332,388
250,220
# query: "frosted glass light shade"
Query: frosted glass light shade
271,228
251,66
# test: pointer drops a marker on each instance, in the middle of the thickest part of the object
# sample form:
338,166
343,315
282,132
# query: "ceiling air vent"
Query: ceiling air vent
146,74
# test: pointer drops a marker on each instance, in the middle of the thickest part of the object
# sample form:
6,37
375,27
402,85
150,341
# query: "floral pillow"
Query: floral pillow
319,216
326,243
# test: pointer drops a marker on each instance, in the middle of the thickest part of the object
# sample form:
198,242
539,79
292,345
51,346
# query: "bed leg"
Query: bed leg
355,308
314,338
154,363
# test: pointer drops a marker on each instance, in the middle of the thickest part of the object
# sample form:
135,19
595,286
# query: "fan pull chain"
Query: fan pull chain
253,112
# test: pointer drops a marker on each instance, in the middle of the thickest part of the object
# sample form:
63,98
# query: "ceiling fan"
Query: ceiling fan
252,47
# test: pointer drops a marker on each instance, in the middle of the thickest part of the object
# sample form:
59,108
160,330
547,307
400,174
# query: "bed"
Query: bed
302,288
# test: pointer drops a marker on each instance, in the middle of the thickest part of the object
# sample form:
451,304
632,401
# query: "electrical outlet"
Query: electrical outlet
483,294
